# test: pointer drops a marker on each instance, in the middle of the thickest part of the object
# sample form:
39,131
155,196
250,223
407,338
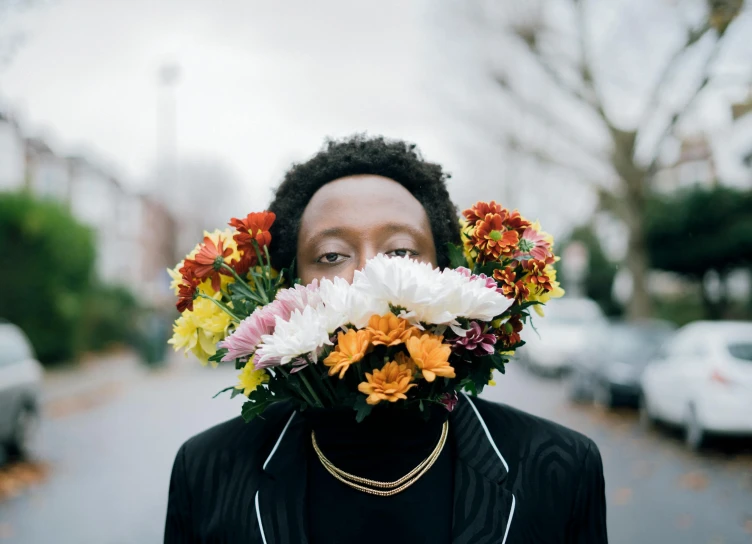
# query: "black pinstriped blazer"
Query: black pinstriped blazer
518,479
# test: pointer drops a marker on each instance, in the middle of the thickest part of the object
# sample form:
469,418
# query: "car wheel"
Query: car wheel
603,395
25,430
694,434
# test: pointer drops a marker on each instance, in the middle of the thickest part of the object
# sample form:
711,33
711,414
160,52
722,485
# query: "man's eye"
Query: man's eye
402,253
331,258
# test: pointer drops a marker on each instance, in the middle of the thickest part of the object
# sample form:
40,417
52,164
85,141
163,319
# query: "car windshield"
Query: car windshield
741,350
632,345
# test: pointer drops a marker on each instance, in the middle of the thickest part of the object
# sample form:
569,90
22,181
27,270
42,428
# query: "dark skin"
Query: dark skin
351,219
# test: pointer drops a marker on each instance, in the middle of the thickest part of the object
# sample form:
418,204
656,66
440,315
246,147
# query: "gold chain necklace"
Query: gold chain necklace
383,489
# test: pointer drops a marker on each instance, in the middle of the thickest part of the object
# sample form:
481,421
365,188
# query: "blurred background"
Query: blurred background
127,128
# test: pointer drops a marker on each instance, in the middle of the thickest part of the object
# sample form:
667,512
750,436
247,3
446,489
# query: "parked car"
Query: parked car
20,385
560,339
611,373
702,381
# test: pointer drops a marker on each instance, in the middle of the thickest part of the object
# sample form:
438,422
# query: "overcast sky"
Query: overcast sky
262,84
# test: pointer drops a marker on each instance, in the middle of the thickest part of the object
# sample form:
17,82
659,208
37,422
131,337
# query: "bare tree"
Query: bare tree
605,124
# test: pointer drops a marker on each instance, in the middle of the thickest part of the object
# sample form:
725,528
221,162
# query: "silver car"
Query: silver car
20,385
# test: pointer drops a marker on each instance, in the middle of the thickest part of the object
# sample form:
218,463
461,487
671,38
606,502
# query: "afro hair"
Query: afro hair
355,155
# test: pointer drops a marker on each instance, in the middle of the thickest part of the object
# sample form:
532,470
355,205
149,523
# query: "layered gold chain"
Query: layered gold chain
383,489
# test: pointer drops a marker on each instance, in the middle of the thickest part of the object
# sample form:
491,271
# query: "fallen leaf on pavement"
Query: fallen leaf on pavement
622,496
696,481
17,477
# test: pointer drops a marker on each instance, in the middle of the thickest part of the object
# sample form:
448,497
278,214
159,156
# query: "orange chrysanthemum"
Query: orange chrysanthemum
481,209
514,221
208,262
509,332
431,356
537,274
351,347
389,383
492,239
389,330
510,286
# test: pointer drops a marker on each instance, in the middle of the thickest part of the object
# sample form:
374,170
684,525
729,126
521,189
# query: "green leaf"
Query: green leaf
456,256
252,410
362,409
235,392
217,357
223,390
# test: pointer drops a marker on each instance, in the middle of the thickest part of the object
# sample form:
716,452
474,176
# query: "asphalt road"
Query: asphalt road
110,459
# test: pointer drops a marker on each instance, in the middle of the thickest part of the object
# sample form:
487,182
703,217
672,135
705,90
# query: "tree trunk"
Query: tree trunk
640,306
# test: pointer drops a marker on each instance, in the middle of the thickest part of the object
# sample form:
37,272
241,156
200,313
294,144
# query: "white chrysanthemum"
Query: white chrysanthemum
470,297
345,304
302,334
427,294
399,281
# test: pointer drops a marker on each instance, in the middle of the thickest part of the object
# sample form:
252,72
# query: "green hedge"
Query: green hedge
48,262
48,285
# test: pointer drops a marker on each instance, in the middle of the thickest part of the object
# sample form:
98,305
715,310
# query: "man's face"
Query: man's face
354,218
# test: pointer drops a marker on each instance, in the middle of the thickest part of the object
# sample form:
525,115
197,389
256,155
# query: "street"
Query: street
109,465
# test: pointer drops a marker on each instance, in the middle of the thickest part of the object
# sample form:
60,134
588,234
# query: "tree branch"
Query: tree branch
679,114
550,120
693,36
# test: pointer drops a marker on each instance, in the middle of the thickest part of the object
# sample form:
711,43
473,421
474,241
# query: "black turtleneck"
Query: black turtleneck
388,444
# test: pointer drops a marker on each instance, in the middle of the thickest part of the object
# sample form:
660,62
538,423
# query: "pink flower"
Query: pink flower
534,244
297,298
247,336
476,341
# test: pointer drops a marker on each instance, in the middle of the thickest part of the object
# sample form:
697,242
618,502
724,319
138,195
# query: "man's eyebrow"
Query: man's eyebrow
391,228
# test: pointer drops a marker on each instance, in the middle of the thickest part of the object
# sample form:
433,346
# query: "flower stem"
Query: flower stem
244,286
223,307
328,389
310,389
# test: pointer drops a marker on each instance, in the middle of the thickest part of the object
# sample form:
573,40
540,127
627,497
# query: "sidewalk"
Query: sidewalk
90,383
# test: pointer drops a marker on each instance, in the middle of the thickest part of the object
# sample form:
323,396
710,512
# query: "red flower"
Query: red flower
256,227
186,295
481,209
492,239
208,262
510,286
538,275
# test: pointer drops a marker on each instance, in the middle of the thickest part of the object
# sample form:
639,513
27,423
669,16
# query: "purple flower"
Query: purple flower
449,400
476,341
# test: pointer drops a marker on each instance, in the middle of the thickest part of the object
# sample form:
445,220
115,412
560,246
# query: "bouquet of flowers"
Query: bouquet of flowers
402,333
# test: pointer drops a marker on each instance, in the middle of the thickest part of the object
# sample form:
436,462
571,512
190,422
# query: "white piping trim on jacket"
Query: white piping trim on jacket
271,454
509,523
488,433
506,466
274,449
261,525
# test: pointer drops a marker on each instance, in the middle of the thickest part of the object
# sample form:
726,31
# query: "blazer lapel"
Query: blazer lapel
281,497
483,507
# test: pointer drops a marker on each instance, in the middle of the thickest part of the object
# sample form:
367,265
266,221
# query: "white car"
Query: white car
20,385
557,341
702,381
